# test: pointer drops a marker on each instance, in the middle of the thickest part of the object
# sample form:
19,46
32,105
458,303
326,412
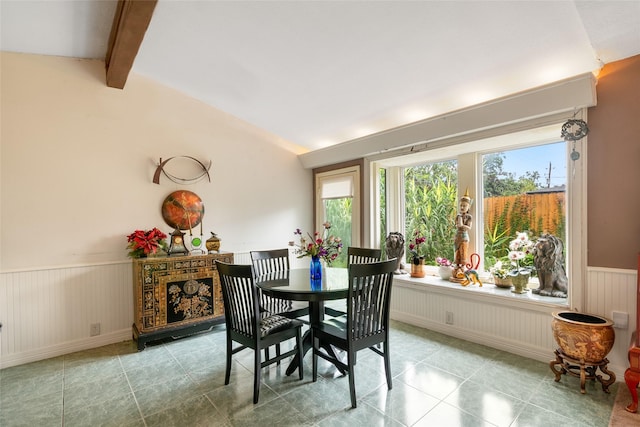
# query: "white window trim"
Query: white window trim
456,147
352,173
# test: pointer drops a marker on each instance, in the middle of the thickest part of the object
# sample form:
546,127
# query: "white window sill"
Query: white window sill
488,292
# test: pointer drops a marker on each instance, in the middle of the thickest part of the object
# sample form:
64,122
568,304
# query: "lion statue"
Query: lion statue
395,249
549,262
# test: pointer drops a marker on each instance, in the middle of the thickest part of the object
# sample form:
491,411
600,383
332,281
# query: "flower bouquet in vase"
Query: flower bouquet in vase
320,246
520,255
416,248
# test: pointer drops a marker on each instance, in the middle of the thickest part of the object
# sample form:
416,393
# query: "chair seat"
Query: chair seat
276,323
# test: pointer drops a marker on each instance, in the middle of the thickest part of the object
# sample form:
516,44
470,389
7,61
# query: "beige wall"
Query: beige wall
77,160
614,167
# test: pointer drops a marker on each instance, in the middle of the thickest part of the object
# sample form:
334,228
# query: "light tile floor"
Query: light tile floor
437,381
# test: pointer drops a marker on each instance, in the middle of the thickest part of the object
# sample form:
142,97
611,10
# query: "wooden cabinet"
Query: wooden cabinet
176,296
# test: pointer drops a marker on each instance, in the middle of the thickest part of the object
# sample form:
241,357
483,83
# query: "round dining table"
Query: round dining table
296,285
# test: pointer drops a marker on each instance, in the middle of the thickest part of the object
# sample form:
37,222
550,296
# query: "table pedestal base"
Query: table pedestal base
583,370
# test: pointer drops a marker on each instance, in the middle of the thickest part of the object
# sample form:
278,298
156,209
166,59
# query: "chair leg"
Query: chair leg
256,374
387,364
227,373
352,381
278,353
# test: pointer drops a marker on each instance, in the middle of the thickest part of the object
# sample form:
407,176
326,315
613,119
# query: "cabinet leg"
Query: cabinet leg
632,378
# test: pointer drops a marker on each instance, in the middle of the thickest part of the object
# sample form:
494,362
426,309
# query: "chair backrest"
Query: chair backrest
368,301
240,296
362,255
270,261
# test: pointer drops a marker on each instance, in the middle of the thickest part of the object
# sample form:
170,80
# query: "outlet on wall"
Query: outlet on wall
449,318
95,329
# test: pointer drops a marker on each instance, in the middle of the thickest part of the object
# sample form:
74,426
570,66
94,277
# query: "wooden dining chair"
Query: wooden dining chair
362,255
366,323
250,327
272,261
355,255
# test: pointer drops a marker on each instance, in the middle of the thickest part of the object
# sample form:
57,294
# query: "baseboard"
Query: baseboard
540,354
16,359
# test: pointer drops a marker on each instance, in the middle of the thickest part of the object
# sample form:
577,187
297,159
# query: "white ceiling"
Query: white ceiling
317,73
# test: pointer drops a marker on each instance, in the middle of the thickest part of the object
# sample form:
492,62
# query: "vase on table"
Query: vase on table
520,281
315,273
417,267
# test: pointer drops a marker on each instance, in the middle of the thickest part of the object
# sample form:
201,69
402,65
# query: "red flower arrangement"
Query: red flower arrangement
143,243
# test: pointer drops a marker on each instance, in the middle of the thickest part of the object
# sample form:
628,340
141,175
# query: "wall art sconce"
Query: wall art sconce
160,170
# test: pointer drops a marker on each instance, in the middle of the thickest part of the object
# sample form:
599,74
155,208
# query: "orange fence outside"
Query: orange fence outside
544,212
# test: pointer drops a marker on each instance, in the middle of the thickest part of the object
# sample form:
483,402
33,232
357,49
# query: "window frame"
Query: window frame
467,150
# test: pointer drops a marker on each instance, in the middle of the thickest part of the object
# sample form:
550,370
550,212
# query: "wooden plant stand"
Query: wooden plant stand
583,370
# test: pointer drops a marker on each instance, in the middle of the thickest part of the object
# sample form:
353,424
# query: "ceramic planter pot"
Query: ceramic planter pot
520,282
502,283
583,337
417,267
445,272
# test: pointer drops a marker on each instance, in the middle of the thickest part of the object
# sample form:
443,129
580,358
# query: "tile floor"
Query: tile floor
437,381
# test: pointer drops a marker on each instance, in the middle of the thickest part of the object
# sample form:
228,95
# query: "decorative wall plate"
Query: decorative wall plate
183,210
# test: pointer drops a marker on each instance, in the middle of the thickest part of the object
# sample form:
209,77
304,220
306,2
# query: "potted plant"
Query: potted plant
445,268
521,256
416,251
143,243
500,273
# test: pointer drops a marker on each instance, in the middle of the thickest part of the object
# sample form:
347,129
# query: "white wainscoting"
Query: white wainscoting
48,312
514,324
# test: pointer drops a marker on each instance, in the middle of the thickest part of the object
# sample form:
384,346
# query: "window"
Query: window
474,164
523,192
338,202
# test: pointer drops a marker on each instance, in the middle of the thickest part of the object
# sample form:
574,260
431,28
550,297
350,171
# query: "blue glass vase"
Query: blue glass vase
315,273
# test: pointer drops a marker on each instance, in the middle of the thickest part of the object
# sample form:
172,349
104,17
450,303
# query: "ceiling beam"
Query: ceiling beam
130,23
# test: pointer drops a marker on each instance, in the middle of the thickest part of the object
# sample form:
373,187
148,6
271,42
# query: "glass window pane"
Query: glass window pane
430,208
524,191
338,213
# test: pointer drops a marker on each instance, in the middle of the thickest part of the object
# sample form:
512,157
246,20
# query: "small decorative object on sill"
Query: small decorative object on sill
445,270
213,243
502,282
146,243
417,267
416,246
320,247
520,280
463,224
394,245
469,277
549,261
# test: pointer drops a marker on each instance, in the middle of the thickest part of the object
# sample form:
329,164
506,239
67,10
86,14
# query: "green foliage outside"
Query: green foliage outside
430,207
338,213
431,203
